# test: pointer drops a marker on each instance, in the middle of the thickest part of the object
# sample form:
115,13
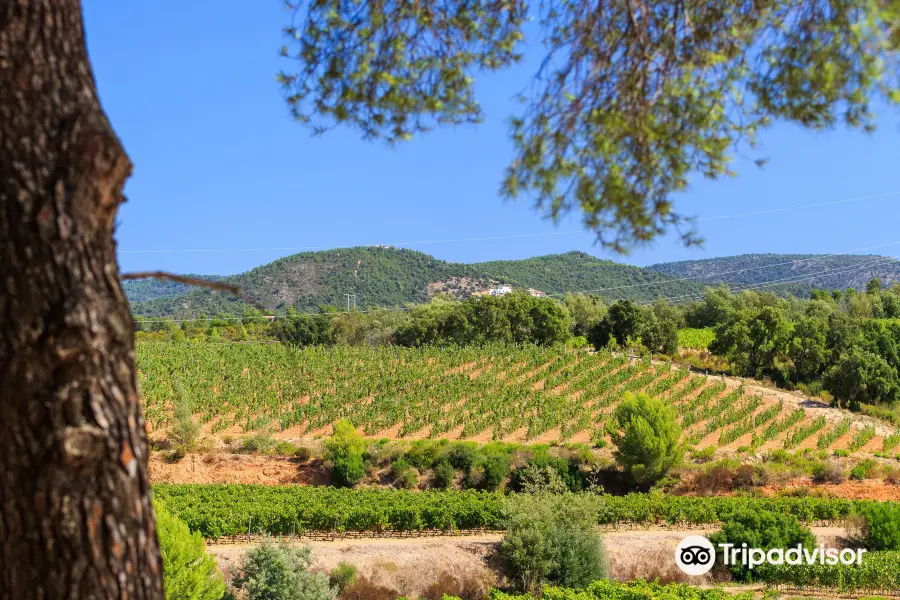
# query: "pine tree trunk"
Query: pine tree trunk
75,513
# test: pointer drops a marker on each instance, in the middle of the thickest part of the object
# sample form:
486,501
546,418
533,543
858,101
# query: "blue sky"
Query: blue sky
190,88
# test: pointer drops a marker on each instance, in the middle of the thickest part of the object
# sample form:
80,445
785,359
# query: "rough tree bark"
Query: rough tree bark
75,515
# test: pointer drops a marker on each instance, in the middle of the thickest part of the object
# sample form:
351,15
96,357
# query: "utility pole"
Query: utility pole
348,301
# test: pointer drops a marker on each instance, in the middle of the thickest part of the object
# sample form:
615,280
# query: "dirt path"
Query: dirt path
410,565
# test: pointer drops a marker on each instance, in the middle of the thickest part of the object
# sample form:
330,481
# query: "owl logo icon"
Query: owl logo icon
695,555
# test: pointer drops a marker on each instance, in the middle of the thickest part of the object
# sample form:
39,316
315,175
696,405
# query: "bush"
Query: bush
303,453
714,480
423,454
285,449
366,589
448,586
281,572
463,455
260,442
496,470
864,469
882,527
185,431
647,438
551,539
345,451
761,529
444,474
702,455
830,471
189,573
404,475
546,469
342,576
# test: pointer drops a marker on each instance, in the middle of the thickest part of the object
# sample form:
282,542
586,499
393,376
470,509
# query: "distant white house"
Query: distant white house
500,291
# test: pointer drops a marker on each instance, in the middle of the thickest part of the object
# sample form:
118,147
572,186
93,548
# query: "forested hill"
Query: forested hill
796,274
390,277
381,277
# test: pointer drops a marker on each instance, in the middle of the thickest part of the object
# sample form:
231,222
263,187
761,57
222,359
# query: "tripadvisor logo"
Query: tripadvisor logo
695,555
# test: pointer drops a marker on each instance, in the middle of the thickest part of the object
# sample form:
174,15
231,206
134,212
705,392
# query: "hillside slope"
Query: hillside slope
391,277
795,274
381,277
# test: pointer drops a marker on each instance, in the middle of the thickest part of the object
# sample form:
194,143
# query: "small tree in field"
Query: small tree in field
189,573
647,438
345,450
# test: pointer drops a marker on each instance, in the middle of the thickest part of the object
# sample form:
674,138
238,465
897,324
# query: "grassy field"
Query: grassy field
500,393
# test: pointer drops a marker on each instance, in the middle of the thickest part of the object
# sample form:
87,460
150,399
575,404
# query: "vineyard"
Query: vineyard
229,510
502,393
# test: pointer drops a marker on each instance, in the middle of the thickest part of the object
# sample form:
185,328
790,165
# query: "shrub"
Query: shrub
405,476
882,526
281,572
342,576
366,589
647,438
260,442
745,477
532,479
496,470
444,474
463,455
546,469
830,471
345,451
423,454
864,469
714,480
303,453
551,539
761,529
702,455
448,586
285,449
185,431
189,573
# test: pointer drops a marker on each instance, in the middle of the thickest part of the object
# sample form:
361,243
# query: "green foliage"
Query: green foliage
862,377
764,530
345,451
751,338
623,320
185,431
227,510
444,474
882,526
863,469
189,573
599,139
647,438
696,338
280,571
605,589
305,330
512,318
342,576
547,473
551,539
879,572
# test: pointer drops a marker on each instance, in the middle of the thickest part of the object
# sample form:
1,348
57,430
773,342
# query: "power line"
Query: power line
786,281
777,210
693,277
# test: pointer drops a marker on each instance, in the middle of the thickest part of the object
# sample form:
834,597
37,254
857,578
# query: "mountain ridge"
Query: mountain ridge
384,276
